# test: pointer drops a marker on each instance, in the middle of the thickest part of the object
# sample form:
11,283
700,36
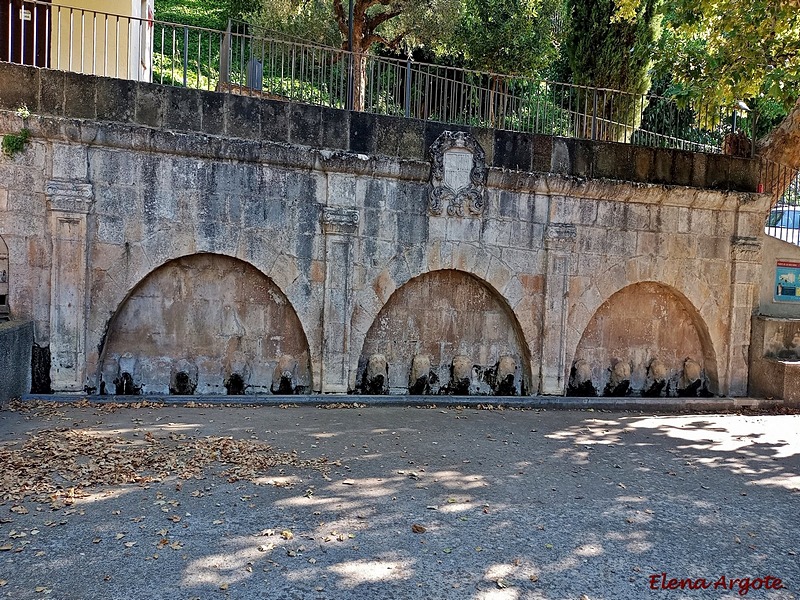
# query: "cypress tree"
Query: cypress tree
612,53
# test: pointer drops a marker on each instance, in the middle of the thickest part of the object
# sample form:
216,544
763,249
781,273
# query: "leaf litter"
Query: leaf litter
58,465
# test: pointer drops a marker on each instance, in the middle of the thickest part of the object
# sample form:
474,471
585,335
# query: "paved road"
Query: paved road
514,505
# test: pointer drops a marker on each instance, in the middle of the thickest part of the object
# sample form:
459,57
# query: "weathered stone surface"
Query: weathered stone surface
79,96
20,86
199,316
419,381
437,315
16,341
340,234
116,100
643,334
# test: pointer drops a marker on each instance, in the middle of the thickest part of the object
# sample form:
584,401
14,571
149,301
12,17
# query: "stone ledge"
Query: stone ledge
648,405
141,138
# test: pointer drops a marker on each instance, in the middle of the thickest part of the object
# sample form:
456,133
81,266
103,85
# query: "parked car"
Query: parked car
783,223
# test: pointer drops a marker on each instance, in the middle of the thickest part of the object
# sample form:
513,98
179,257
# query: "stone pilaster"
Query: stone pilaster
68,203
559,244
338,225
745,277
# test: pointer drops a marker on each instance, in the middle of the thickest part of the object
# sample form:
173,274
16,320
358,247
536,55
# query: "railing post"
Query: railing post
408,86
594,115
185,54
350,65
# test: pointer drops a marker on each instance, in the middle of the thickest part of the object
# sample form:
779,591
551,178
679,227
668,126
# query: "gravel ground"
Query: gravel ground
396,502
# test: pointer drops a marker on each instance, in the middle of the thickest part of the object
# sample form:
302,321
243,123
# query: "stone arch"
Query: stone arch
440,315
205,324
5,275
641,323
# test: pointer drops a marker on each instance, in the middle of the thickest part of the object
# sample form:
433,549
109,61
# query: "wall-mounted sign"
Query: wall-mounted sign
787,281
25,14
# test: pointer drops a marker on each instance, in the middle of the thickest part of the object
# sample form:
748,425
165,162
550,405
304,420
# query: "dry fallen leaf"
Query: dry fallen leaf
418,528
81,460
286,534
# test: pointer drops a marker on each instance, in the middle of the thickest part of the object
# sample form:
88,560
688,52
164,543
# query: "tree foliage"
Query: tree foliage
726,51
730,50
608,52
506,36
616,54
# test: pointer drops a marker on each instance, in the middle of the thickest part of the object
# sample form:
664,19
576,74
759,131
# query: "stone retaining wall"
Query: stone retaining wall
123,181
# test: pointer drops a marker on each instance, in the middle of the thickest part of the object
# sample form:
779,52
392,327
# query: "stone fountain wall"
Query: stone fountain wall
173,241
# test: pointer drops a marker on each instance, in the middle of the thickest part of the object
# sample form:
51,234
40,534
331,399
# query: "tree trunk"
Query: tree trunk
782,145
781,149
359,81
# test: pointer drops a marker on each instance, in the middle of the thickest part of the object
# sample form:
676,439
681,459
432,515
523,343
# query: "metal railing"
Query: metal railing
783,184
141,48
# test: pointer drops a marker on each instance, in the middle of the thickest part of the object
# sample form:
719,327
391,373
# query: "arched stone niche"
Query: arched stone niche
649,335
205,324
438,317
4,280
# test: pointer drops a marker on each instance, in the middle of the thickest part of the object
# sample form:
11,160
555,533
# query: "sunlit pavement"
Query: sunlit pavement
514,504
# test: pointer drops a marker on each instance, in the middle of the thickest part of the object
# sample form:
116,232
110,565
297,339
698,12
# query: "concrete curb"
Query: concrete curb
667,405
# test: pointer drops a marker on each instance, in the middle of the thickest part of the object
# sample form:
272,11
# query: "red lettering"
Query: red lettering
744,585
776,584
673,584
694,584
741,585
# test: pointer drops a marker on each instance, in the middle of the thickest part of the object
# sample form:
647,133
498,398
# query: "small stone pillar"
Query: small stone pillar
68,203
745,274
338,224
559,243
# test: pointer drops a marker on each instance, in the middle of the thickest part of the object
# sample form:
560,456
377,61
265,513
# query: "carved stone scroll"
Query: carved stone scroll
458,175
339,220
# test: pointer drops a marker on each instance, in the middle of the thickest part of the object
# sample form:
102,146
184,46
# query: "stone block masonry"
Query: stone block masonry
16,342
194,242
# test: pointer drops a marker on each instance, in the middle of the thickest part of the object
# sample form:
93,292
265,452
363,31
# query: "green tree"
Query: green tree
614,53
391,24
505,38
726,51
